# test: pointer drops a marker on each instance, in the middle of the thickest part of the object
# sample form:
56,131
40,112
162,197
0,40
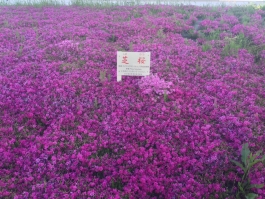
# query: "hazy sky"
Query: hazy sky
193,2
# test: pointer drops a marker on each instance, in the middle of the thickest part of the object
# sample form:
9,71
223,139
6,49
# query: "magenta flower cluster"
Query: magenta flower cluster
68,129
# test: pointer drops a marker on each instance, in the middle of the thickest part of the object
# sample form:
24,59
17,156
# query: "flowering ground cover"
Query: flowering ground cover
68,129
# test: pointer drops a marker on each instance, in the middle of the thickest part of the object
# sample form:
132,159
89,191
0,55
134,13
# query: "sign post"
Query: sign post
132,64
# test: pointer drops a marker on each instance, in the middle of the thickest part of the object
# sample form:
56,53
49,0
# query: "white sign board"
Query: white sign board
133,64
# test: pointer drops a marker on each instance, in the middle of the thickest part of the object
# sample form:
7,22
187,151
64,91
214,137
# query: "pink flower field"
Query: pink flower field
68,129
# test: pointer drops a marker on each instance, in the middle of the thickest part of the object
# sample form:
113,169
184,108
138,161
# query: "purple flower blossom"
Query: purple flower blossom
65,133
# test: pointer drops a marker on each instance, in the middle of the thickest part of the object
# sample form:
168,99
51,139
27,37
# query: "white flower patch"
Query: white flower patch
154,83
68,44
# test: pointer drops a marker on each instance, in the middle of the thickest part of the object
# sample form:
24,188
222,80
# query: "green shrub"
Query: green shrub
206,47
241,42
215,35
248,160
236,43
